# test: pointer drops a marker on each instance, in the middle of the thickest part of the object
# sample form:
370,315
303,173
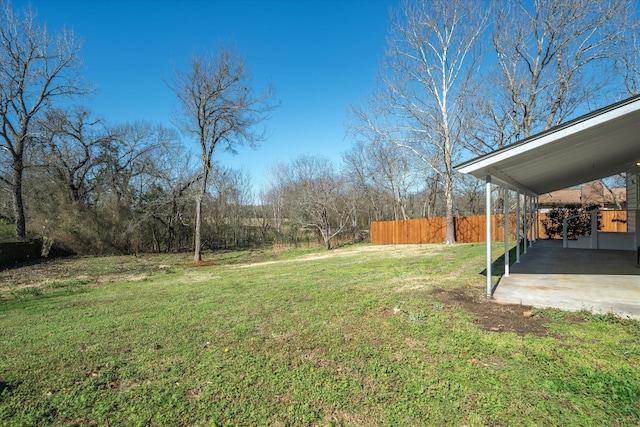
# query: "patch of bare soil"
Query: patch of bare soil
494,317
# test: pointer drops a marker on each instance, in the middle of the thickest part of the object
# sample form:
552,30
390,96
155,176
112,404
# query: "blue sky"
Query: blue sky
321,56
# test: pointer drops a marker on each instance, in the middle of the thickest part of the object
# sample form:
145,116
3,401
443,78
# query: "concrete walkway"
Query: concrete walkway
574,279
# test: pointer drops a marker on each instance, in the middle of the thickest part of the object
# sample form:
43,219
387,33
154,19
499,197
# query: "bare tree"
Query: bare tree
490,126
131,157
383,169
470,193
359,168
556,57
273,199
36,69
94,187
166,194
316,195
629,62
71,148
428,80
228,206
261,215
218,107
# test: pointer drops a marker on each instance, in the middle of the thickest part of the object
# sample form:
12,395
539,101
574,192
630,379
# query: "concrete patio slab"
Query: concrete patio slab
550,276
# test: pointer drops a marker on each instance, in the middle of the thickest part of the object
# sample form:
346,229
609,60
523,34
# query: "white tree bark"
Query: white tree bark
426,85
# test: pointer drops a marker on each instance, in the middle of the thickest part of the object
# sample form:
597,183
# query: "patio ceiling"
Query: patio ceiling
594,146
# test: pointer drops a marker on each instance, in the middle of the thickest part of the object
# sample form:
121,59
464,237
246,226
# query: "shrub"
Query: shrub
580,226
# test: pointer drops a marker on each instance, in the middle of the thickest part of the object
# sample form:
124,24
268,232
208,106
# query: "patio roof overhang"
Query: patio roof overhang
593,146
597,145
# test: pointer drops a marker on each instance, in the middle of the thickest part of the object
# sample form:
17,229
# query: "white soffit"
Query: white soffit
594,146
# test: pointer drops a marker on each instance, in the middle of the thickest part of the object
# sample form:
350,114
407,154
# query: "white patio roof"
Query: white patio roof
596,145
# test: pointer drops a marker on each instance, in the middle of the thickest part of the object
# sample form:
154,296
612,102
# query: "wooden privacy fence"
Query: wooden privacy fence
468,229
613,221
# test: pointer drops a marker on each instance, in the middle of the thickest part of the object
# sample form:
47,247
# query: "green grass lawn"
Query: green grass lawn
354,336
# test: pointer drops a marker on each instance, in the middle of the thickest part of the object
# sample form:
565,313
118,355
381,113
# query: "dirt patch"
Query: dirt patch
494,317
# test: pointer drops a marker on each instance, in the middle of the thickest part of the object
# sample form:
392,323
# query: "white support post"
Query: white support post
506,232
488,237
518,228
525,223
537,219
531,221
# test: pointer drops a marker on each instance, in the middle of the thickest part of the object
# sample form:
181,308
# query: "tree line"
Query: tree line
459,78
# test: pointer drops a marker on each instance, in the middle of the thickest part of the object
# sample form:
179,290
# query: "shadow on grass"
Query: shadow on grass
6,387
24,264
497,266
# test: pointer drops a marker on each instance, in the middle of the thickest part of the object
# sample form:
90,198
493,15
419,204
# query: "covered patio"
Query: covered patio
600,281
594,146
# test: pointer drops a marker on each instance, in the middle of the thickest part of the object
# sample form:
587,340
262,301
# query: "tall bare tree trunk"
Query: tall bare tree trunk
197,256
450,235
18,204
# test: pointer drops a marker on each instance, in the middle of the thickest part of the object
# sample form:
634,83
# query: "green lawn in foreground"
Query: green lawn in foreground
311,339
